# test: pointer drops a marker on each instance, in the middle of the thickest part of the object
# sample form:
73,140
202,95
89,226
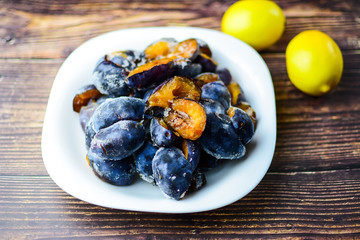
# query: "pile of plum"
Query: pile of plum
166,114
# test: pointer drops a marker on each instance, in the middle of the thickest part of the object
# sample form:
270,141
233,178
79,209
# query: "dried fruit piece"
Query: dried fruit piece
150,74
187,118
176,87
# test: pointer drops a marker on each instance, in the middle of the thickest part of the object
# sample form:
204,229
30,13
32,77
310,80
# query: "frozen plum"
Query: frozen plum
117,109
216,91
143,161
176,87
172,172
150,74
161,135
118,141
109,78
84,95
119,173
191,152
242,124
187,118
220,138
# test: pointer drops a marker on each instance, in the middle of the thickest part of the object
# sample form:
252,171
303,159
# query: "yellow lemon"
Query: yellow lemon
314,62
259,23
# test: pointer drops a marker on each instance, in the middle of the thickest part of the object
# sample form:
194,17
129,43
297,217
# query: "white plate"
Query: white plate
63,146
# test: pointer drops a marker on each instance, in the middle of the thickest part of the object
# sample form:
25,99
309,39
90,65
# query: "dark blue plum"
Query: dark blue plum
212,106
89,133
162,136
172,172
224,75
185,67
147,94
86,112
136,58
120,173
109,78
143,161
191,152
206,62
220,139
198,180
117,109
242,123
207,162
216,91
118,141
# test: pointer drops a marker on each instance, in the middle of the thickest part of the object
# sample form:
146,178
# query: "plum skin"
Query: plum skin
117,141
218,92
162,136
228,145
119,173
172,172
242,123
117,109
143,161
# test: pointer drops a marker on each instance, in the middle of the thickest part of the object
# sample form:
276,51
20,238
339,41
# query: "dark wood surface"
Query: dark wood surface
312,189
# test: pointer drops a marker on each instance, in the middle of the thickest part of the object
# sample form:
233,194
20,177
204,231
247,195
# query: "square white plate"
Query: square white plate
63,144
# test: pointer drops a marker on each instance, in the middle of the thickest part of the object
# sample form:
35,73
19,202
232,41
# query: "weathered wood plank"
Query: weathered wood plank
321,204
54,29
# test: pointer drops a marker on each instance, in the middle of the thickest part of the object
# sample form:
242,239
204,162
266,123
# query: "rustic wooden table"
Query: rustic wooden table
311,191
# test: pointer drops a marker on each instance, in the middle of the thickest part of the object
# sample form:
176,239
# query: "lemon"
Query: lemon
314,62
259,23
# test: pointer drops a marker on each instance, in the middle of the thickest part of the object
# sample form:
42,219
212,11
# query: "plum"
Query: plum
191,152
207,63
109,78
172,172
206,77
176,87
84,95
117,141
143,161
116,109
220,139
188,48
242,123
160,49
218,92
212,106
185,67
150,74
204,47
235,92
119,173
161,135
187,118
198,180
249,110
224,75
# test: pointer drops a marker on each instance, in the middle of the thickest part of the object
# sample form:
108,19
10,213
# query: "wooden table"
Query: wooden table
311,191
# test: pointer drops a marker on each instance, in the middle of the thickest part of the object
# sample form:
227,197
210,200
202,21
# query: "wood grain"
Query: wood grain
312,189
54,30
316,204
